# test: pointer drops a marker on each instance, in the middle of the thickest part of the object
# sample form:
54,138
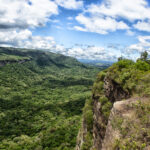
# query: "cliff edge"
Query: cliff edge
121,109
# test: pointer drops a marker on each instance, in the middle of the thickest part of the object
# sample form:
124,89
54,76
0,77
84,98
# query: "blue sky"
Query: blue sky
85,29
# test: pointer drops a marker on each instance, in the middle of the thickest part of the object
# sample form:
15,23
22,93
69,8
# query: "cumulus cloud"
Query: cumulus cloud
37,42
99,24
91,53
142,45
143,26
70,4
14,38
110,15
129,9
18,16
24,38
25,13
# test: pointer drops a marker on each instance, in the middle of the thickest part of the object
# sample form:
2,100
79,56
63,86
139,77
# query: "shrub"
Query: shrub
88,114
98,88
142,65
106,106
103,100
101,76
125,63
88,142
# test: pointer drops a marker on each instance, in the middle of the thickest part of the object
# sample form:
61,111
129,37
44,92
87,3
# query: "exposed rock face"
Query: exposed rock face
81,135
121,110
123,120
113,92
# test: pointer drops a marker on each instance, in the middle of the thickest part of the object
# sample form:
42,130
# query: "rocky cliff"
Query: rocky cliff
113,92
121,109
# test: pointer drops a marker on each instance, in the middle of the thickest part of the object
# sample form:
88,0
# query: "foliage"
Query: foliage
120,58
41,100
88,142
88,120
106,106
88,114
142,65
128,74
5,57
144,56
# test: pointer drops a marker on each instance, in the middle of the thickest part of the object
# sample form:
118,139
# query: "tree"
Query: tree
120,58
144,56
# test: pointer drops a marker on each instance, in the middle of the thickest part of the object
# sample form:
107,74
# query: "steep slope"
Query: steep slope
120,104
41,99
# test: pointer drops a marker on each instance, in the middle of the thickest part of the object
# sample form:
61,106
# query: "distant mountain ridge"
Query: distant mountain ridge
98,63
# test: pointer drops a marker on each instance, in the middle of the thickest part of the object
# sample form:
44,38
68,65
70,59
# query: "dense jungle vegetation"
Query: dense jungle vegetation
41,99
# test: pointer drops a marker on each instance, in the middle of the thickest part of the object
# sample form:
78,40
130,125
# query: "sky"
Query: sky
84,29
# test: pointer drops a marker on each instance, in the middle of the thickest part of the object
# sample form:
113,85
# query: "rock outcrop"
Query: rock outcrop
113,92
81,135
121,111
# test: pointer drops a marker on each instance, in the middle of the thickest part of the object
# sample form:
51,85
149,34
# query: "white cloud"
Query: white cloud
13,38
111,15
99,24
129,9
143,26
70,4
17,16
137,47
91,53
79,28
24,13
142,45
37,42
24,38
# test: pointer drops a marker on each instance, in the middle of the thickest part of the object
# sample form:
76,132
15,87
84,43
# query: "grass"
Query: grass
135,132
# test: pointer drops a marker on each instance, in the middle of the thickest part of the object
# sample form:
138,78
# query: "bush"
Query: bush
106,106
88,114
142,65
103,100
88,142
101,76
125,63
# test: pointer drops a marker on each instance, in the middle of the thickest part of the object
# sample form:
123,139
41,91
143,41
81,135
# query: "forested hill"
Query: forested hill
41,99
42,58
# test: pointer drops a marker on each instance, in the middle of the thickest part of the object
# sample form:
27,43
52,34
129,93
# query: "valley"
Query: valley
41,99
